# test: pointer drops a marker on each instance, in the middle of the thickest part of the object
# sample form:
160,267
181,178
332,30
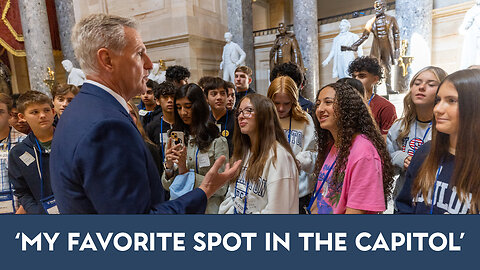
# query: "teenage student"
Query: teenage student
216,92
203,143
442,177
157,130
299,130
268,181
148,109
368,70
243,79
230,95
9,137
353,167
18,124
415,127
28,161
62,95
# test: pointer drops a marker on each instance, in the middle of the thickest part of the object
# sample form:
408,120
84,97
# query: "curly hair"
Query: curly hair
353,118
177,73
288,69
368,64
165,89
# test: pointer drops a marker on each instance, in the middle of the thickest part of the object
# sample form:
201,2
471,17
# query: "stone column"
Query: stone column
306,30
415,22
66,21
38,44
240,24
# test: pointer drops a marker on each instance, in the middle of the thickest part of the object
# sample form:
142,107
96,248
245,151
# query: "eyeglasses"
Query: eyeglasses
247,112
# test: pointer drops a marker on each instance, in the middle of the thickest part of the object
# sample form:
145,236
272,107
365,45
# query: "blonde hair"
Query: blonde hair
409,109
95,32
285,84
138,122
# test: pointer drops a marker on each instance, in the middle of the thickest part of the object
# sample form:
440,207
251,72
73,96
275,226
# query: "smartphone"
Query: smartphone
177,137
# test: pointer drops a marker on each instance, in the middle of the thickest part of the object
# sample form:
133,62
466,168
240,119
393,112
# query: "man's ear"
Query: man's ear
249,80
377,80
21,116
104,59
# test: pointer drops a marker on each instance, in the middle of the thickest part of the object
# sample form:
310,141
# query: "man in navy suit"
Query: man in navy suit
99,163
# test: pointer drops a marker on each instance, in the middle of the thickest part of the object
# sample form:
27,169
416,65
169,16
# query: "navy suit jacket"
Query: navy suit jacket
99,162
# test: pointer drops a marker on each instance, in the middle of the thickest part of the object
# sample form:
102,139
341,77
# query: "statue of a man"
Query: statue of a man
385,49
471,44
75,75
342,59
157,74
285,49
232,57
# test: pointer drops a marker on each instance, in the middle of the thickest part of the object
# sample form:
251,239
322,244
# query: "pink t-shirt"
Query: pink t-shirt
362,186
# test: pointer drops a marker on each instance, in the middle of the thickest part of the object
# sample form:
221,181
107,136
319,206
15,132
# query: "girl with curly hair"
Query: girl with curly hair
354,170
415,127
203,143
443,176
268,180
299,130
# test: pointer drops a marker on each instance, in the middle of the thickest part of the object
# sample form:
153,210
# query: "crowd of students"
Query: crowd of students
345,153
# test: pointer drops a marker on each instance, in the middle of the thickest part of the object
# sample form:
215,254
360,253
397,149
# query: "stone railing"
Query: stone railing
327,20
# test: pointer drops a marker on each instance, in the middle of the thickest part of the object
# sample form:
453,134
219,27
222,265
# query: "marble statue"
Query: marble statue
342,59
386,41
471,44
232,57
285,49
75,75
157,74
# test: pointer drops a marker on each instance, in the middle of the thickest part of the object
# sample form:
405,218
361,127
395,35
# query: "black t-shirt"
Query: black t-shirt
154,131
240,95
226,125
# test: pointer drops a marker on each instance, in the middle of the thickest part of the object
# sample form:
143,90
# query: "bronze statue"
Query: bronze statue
285,49
383,27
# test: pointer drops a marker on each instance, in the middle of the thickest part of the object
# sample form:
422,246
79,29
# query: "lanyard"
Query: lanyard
246,193
289,129
226,121
196,160
434,187
370,100
161,138
424,136
40,169
9,143
320,188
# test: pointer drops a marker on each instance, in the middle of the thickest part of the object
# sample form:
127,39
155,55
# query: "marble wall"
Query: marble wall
180,32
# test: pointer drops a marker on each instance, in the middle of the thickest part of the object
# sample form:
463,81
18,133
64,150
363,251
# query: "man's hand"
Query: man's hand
214,180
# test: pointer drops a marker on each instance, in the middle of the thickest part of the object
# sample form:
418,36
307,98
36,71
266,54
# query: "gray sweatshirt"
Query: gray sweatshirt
399,152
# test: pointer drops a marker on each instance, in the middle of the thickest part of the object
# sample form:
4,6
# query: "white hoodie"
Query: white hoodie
275,192
302,142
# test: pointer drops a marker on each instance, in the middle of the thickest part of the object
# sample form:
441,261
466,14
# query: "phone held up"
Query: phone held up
177,137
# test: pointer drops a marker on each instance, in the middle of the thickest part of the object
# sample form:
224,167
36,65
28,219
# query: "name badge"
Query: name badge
27,158
203,160
142,112
6,203
164,137
50,205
